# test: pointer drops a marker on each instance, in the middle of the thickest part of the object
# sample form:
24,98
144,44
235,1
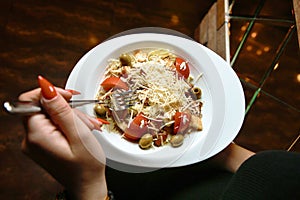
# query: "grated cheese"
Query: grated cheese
159,87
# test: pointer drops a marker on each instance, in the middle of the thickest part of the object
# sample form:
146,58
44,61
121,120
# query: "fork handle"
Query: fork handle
22,107
77,103
31,107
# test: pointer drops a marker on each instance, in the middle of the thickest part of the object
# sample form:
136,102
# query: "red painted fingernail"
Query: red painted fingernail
103,121
97,124
73,92
47,89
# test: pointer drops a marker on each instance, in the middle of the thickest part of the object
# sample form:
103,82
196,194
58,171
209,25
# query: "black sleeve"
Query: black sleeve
266,175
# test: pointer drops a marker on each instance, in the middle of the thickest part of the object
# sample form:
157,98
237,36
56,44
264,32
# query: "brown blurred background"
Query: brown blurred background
49,37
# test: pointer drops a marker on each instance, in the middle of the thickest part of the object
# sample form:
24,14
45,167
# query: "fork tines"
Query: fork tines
122,100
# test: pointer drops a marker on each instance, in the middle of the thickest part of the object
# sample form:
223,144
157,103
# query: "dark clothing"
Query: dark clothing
266,175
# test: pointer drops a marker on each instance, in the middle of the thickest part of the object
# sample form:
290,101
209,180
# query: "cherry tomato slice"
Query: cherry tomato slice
182,67
182,121
114,82
137,128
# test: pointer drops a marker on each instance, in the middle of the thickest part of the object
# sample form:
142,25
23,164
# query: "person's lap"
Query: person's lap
266,175
195,181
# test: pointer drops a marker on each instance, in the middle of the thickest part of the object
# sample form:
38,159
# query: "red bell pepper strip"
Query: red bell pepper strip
114,82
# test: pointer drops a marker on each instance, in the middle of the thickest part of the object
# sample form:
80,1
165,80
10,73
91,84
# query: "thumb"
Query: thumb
74,129
60,112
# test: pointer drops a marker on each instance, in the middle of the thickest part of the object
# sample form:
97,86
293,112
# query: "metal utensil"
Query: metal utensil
120,100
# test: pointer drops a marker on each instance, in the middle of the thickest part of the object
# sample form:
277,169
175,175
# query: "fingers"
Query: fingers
35,95
60,112
59,134
76,127
71,124
92,123
44,138
71,121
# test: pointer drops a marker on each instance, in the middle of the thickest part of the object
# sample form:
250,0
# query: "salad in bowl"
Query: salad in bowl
167,104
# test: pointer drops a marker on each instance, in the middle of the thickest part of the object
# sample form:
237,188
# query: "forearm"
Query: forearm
232,157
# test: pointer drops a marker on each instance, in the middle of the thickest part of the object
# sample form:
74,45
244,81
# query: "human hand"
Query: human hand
60,140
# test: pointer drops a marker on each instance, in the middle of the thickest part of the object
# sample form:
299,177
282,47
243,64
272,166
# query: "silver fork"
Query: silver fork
120,100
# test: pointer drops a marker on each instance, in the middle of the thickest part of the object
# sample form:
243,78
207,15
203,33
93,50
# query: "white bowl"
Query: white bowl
197,146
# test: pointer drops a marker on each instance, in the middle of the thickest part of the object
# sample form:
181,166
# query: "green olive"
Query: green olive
146,141
197,91
177,140
125,59
100,109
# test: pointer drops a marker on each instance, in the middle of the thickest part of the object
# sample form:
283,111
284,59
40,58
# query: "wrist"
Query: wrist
93,191
65,196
